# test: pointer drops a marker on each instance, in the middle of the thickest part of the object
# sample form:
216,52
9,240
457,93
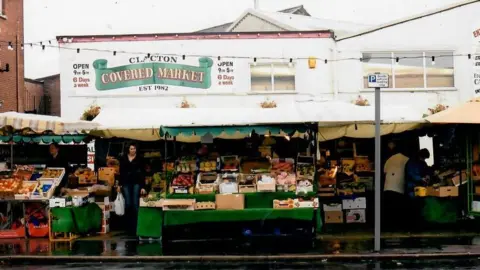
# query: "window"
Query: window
413,70
272,77
2,7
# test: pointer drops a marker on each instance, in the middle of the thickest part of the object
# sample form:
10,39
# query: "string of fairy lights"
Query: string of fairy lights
52,43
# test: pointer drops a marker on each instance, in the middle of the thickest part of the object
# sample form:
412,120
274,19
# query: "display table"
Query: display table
175,218
150,222
440,209
79,220
258,206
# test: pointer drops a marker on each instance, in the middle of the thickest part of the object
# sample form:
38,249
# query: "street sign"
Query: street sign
378,80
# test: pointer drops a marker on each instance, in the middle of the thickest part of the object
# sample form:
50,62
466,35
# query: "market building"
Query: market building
351,51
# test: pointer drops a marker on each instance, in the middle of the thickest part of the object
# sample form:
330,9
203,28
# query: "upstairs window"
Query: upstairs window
275,77
414,70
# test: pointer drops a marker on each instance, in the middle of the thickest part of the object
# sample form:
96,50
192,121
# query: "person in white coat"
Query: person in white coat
394,190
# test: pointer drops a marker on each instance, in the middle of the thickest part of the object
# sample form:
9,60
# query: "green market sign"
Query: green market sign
142,74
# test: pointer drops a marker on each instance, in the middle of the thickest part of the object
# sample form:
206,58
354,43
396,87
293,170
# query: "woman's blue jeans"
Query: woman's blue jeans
131,193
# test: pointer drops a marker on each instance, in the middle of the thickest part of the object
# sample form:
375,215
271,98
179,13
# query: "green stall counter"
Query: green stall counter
83,219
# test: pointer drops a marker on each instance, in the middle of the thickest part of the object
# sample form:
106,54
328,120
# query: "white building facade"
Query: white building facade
209,71
244,69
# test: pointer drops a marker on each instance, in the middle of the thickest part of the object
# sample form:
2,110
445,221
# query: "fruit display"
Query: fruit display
24,173
286,182
54,173
158,182
182,183
86,176
183,180
348,166
186,166
27,188
168,166
9,187
230,163
283,165
305,170
44,190
208,166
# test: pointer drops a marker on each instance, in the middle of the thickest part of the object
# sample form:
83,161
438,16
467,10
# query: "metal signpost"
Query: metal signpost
377,81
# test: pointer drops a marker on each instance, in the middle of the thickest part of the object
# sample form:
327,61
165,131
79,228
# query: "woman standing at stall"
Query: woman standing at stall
132,185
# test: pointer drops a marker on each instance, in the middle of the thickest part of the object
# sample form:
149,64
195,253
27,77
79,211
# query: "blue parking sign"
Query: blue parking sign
372,78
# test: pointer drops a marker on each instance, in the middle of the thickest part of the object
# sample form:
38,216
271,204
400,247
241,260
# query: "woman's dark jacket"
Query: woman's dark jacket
132,172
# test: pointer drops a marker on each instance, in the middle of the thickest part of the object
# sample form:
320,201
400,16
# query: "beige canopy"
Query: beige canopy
467,113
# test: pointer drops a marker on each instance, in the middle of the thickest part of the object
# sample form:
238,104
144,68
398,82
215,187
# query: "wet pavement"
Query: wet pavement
252,253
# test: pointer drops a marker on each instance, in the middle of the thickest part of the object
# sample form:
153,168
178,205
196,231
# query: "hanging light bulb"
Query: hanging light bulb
114,53
254,61
397,59
433,60
290,63
21,46
148,55
10,47
43,47
469,56
78,50
183,57
219,58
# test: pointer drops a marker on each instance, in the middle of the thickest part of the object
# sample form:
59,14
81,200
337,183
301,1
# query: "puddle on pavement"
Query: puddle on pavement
260,246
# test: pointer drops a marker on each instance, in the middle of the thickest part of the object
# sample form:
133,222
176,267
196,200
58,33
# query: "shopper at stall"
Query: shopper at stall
57,160
132,185
394,190
416,172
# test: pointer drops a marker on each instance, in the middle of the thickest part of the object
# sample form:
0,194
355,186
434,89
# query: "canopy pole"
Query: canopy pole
11,155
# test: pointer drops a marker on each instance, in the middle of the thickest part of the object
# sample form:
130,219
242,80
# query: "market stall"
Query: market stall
26,190
208,187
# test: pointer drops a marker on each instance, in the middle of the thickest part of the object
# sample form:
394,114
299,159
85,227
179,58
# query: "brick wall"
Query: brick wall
51,88
12,87
33,95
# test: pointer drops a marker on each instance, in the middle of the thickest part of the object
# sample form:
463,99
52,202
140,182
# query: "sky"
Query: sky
46,19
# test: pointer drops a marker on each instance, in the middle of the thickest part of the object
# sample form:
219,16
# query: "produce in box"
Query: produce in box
52,173
9,184
208,166
27,188
42,189
183,180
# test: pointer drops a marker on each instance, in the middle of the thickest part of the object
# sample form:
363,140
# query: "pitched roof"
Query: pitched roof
299,10
407,19
292,22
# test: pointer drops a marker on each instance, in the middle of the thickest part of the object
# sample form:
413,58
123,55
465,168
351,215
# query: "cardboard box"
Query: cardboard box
326,192
449,191
306,203
332,207
283,204
179,204
475,206
355,216
358,203
333,217
230,201
107,174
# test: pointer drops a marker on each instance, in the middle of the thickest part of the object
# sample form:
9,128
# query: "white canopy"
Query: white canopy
144,124
334,118
42,123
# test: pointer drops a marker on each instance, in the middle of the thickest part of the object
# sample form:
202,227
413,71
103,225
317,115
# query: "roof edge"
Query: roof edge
408,19
32,81
63,39
261,16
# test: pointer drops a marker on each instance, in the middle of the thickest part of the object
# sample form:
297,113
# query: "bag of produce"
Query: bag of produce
120,205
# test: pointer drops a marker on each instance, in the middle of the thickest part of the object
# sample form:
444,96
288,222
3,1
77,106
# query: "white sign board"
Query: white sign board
378,80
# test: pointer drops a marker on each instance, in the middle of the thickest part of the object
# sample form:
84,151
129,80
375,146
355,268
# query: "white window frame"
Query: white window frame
272,79
2,8
413,89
